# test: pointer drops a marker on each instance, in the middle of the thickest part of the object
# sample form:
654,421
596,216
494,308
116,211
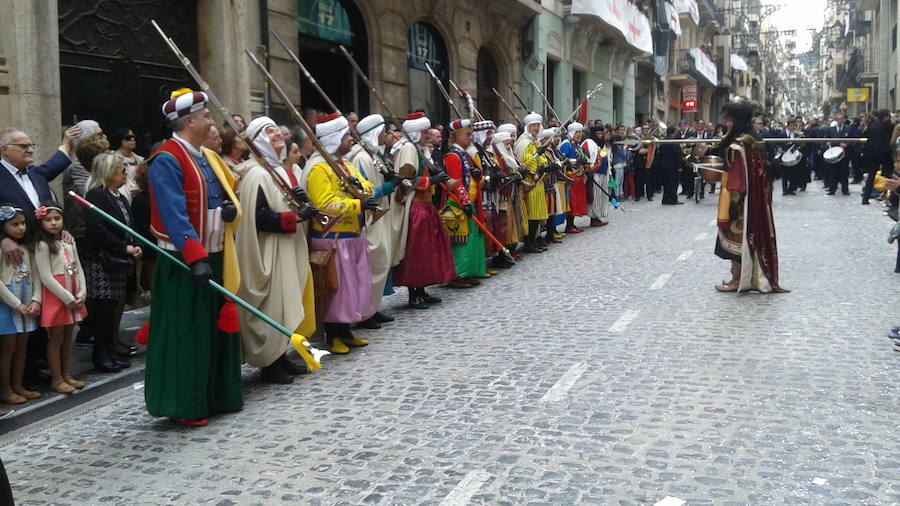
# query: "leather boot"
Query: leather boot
275,374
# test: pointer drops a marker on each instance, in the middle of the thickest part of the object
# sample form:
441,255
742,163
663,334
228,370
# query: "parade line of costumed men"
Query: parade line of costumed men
258,255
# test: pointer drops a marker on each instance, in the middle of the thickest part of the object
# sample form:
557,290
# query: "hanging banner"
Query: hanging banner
674,22
857,94
621,15
690,8
705,67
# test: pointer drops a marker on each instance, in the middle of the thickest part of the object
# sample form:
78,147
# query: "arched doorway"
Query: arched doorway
323,26
425,45
116,70
488,78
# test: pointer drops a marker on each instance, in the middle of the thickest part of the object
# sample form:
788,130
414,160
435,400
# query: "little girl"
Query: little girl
63,294
20,292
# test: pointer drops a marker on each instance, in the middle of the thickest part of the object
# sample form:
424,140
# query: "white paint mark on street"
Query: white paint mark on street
819,481
670,501
684,255
138,386
466,488
131,328
565,383
701,236
623,321
661,281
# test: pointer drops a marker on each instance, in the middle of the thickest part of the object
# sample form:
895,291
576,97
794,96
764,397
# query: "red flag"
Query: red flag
582,116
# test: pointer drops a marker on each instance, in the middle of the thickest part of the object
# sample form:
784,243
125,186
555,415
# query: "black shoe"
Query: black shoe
788,193
803,188
895,330
865,202
288,366
845,192
368,324
275,374
431,299
649,199
106,366
530,248
830,193
381,317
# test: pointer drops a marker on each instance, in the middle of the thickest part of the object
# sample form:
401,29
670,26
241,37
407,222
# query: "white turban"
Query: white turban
533,118
574,127
499,140
331,131
546,133
256,132
508,127
369,129
415,124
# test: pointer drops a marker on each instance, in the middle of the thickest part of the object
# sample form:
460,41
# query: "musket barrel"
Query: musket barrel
767,140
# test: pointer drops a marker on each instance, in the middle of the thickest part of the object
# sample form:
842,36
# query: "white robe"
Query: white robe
275,273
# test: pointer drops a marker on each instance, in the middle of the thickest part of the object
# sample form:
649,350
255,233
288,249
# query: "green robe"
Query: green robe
469,257
193,369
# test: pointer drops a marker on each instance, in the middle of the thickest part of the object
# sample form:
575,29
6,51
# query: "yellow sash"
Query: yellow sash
232,274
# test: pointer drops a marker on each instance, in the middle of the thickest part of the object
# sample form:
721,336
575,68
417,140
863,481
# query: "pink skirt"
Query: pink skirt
428,260
56,314
352,302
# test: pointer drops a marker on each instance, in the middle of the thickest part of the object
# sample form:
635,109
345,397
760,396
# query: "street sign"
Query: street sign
857,94
689,99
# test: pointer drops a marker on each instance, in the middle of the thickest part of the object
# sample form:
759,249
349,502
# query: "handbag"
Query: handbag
325,278
115,264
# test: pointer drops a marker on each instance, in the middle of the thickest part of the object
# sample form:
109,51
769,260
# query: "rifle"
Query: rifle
503,249
508,108
380,162
547,103
350,183
596,89
521,102
309,354
324,220
487,161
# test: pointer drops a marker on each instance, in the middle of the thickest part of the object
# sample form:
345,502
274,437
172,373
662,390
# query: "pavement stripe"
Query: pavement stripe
684,255
701,236
661,281
623,321
465,489
565,383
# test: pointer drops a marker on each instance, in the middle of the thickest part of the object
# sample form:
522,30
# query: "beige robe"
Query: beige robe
379,234
275,273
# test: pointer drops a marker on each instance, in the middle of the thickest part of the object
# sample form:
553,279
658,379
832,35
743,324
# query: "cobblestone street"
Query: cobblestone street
606,371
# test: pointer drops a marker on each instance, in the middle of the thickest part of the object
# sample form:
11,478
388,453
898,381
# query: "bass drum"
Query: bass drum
699,151
711,162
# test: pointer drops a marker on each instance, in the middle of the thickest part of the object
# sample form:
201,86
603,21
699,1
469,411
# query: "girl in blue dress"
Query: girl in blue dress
20,292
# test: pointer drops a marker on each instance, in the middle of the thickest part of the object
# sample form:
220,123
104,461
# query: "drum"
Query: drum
711,162
699,151
791,157
833,155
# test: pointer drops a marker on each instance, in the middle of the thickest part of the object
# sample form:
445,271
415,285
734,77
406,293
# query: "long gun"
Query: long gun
324,220
547,103
521,102
596,89
350,183
503,249
309,354
380,163
508,108
429,165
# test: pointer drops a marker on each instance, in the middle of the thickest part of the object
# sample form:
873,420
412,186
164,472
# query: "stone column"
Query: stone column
29,42
222,37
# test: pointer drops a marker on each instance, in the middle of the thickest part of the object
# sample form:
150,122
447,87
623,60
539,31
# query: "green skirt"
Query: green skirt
469,258
193,369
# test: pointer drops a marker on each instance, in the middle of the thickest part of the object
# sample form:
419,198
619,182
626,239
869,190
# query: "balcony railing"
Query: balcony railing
697,64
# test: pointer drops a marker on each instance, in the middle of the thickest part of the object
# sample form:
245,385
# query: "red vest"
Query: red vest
194,188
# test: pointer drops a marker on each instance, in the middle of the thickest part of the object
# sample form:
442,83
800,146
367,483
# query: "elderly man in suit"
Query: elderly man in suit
25,185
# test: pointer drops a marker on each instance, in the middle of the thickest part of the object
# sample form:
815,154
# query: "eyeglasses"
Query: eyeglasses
25,147
128,138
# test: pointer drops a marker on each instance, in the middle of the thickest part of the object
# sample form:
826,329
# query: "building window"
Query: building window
425,46
550,88
578,91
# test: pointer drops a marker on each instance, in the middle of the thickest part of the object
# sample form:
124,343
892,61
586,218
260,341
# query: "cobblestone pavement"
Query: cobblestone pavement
607,371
